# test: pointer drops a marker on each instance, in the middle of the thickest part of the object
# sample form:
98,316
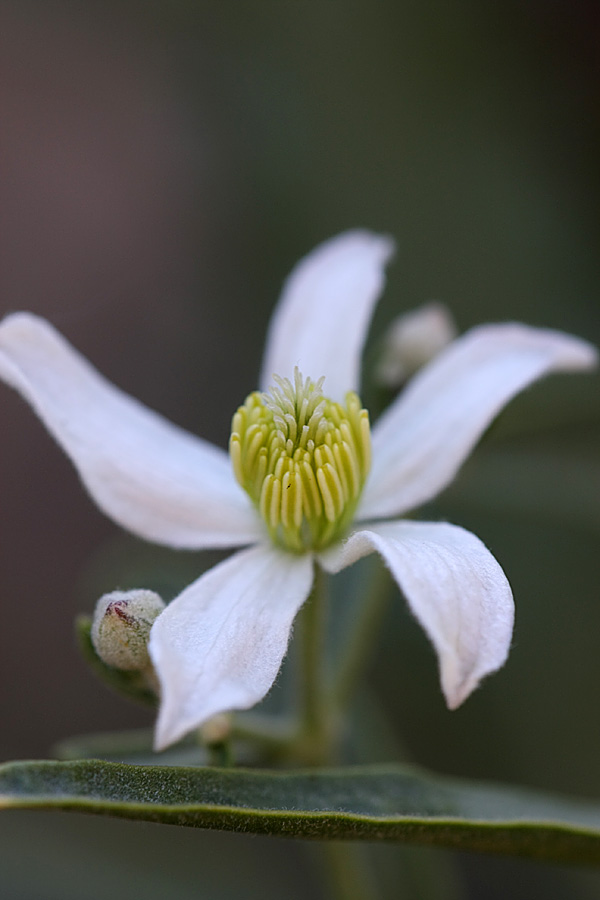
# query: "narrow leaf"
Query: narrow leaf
371,803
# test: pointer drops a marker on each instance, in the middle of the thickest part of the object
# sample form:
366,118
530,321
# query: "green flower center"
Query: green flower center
303,459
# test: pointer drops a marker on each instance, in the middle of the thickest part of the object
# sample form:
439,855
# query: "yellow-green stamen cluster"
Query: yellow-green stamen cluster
303,459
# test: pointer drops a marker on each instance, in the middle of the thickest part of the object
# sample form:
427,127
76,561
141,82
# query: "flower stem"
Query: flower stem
349,871
359,644
322,699
220,754
314,743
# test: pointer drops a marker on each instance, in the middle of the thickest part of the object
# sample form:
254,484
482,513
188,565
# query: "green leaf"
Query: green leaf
371,803
129,684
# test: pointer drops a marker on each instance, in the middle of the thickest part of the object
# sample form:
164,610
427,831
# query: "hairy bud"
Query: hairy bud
121,628
412,340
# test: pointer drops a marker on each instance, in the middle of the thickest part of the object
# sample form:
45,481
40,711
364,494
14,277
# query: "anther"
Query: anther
303,459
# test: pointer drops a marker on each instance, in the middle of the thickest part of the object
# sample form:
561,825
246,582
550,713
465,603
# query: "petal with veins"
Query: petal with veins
323,315
151,477
420,442
219,645
455,589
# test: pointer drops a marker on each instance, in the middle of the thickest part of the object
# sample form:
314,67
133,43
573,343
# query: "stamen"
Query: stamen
303,459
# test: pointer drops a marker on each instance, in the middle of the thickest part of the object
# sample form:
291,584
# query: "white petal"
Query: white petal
219,645
148,475
423,438
323,315
455,589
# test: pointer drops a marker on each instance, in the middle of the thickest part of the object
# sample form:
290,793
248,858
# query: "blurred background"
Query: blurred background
162,167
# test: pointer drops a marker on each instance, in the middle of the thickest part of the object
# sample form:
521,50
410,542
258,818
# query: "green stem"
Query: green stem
316,715
349,871
359,645
311,741
220,754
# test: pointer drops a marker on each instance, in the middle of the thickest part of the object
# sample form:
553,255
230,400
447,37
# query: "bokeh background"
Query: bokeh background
162,167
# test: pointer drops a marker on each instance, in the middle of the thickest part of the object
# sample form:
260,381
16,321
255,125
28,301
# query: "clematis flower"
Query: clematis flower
300,488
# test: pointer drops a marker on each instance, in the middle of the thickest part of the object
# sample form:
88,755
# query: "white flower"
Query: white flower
219,645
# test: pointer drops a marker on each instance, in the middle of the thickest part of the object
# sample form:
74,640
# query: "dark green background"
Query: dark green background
164,166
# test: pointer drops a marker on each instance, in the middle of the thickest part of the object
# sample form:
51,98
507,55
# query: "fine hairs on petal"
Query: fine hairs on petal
321,321
455,589
219,645
149,476
423,438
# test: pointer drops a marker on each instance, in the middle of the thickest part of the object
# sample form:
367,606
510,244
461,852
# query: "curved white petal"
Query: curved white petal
455,589
420,442
148,475
323,315
219,645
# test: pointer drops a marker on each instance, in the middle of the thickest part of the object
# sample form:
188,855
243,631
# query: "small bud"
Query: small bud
217,729
121,628
413,340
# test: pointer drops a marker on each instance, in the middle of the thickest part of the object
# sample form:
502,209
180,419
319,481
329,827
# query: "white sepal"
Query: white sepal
423,438
455,589
219,645
323,315
150,476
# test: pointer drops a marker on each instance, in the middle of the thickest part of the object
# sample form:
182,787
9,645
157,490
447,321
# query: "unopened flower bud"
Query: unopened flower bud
121,628
413,340
216,729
